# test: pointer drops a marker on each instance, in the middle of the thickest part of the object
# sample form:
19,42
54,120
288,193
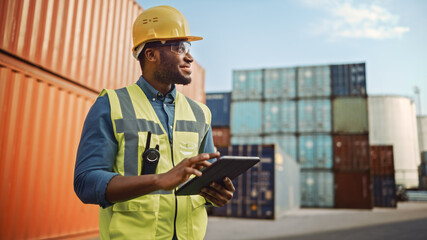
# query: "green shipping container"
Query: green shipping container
350,115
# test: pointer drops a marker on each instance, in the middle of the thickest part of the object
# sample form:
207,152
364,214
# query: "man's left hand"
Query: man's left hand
217,194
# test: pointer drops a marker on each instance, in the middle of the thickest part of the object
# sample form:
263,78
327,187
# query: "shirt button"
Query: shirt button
154,99
164,105
171,126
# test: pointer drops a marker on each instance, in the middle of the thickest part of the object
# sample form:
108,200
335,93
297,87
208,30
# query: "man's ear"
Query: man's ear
151,55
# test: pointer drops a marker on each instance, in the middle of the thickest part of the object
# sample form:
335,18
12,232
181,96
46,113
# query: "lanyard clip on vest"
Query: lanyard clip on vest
150,157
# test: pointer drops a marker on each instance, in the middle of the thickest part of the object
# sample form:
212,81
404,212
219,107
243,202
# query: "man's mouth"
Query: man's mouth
186,68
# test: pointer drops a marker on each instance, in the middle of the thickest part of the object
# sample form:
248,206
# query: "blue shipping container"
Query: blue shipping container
247,85
219,104
288,144
279,116
244,140
279,83
423,169
315,151
424,157
266,190
246,118
317,188
314,81
349,79
384,191
314,115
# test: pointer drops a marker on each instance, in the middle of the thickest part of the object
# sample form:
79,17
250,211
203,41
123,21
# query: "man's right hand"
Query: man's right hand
182,172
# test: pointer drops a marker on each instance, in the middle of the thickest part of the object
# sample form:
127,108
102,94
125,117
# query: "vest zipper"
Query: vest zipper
176,200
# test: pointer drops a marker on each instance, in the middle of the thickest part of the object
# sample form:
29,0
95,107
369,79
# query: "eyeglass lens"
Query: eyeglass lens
181,47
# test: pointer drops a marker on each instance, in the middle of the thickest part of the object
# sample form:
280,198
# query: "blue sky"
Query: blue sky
389,35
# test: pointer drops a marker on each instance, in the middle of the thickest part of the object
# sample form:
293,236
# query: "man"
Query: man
110,158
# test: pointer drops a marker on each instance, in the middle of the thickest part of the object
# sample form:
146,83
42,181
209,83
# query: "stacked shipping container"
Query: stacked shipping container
314,128
352,166
219,104
422,139
306,111
422,171
384,187
55,57
268,189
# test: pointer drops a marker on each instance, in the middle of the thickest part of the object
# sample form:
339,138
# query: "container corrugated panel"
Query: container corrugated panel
423,182
246,118
247,85
422,170
268,189
317,188
287,143
42,118
315,151
287,182
243,140
349,79
196,89
314,81
279,116
353,189
350,115
314,115
221,136
382,159
351,152
384,191
279,83
424,157
219,104
86,41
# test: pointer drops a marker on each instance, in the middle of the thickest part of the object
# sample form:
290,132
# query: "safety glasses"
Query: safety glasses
182,47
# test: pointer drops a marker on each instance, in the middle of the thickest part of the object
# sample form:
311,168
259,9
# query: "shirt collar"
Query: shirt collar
152,94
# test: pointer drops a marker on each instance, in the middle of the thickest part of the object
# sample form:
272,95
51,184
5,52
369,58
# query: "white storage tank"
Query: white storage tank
392,121
422,132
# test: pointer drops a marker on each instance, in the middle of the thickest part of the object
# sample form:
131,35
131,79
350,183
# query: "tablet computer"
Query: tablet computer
226,166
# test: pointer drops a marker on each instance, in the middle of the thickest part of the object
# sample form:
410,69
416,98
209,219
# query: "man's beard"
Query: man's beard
167,75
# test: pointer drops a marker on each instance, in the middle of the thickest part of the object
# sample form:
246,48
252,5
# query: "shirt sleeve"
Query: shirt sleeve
96,155
207,145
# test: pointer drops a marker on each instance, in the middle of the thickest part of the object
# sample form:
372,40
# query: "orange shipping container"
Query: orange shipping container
353,189
351,152
221,136
42,117
382,160
88,42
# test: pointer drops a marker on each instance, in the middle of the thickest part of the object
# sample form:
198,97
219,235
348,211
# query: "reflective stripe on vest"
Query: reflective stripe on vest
132,116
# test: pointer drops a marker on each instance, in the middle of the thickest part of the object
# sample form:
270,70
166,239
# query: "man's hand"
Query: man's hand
182,172
217,194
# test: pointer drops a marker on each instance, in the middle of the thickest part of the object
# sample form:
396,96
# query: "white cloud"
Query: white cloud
348,20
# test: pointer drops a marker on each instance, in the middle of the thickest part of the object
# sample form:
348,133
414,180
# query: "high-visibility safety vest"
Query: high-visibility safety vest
158,214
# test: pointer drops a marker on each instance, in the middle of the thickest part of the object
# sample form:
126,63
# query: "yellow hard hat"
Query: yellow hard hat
160,23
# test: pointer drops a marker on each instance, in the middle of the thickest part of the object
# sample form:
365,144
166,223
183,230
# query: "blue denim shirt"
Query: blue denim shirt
98,145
